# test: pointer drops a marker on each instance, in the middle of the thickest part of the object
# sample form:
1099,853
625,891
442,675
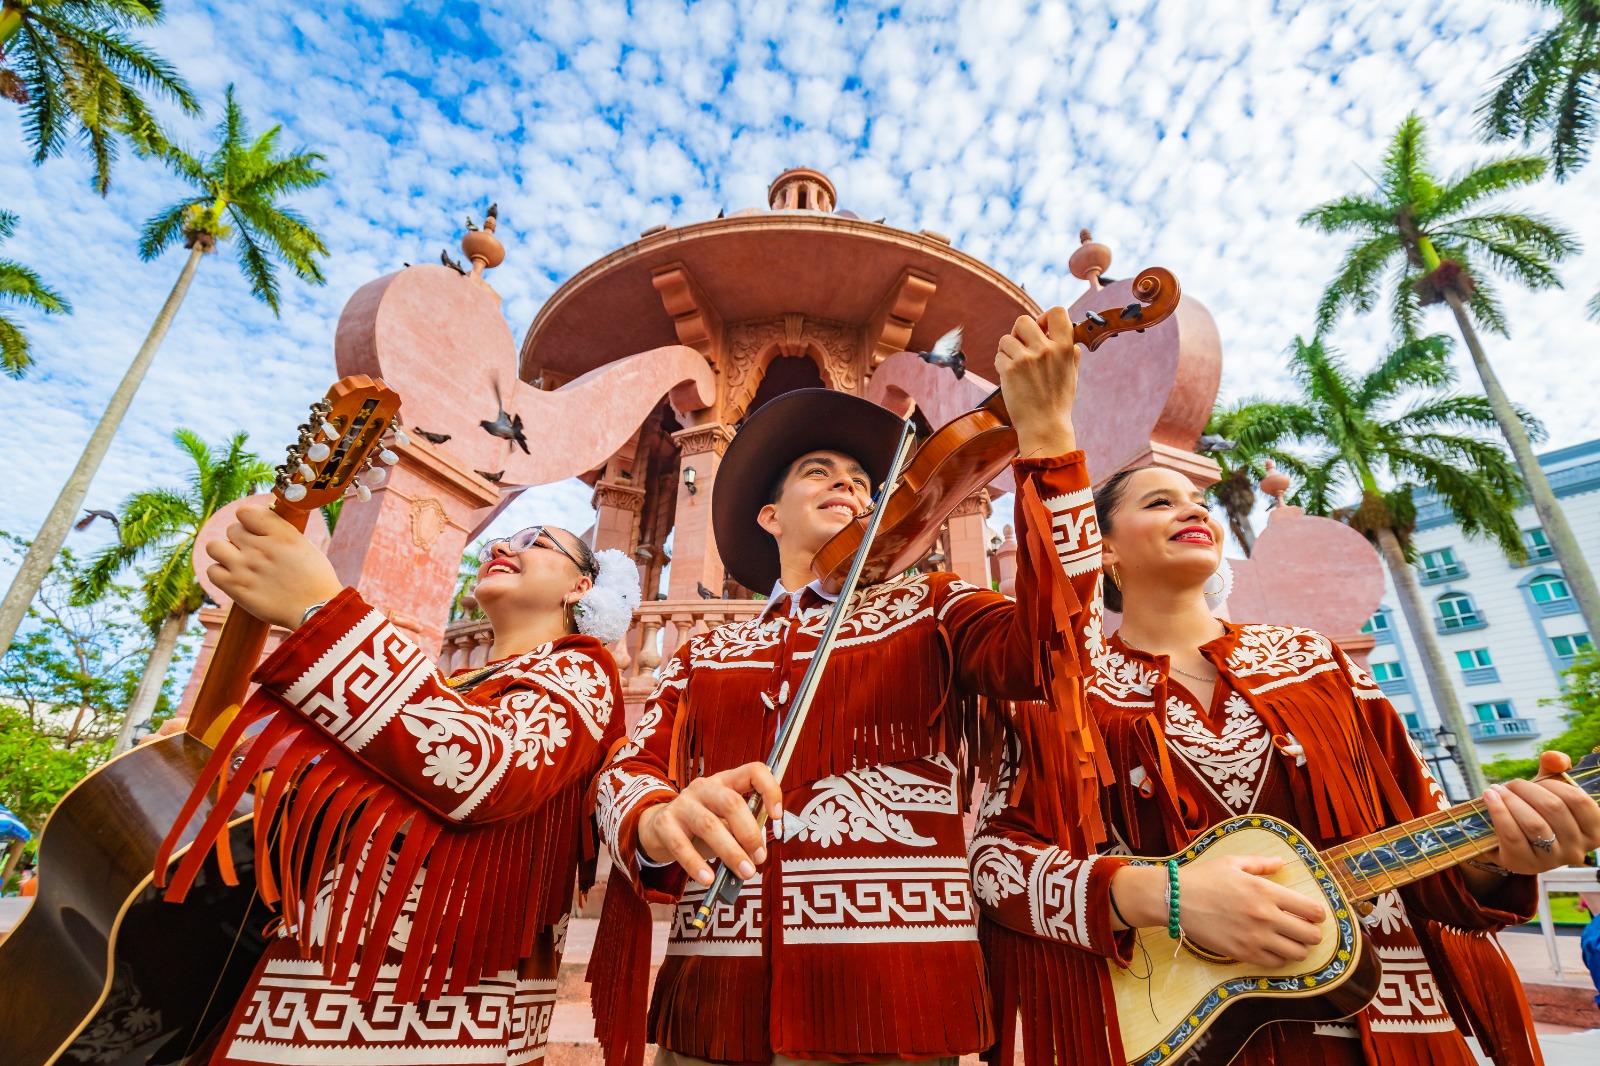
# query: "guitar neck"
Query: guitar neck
1410,851
233,660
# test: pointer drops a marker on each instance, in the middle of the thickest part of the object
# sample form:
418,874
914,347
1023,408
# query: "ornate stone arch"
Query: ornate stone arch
834,347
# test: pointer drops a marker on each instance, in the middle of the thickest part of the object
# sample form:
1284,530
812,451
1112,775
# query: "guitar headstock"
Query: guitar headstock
343,447
1157,293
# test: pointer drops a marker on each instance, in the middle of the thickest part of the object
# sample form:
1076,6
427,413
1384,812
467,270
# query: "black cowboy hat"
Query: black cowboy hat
781,431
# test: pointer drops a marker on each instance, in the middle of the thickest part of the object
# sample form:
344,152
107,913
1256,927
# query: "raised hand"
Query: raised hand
269,568
1038,368
711,818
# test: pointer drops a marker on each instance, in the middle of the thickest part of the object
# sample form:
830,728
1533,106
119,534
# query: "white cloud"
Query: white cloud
1190,135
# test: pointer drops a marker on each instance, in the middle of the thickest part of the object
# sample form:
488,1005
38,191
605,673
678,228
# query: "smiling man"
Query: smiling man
854,937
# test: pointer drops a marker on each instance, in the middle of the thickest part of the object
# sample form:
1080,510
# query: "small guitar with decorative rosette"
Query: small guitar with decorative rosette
101,969
1195,1007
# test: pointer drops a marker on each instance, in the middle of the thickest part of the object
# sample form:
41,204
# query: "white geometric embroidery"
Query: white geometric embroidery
734,928
1058,890
1408,999
617,793
877,900
1075,528
1231,764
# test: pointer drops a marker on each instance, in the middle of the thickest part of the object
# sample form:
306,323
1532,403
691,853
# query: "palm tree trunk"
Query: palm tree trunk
13,856
1433,668
145,696
1580,579
42,552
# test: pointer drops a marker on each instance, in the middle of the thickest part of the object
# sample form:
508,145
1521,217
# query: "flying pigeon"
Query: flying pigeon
947,353
471,225
88,520
444,257
1215,443
494,478
506,427
431,438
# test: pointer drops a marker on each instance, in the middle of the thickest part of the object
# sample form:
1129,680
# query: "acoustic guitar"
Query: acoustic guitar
1198,1008
101,969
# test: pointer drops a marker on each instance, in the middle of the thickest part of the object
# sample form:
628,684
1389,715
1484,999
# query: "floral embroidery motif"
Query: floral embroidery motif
537,728
449,767
997,875
1277,650
1116,676
877,609
866,805
1232,763
574,677
1388,914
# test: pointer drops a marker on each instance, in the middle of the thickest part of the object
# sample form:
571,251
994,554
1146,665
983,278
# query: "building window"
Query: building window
1440,565
1549,589
1378,623
1413,721
1388,672
1457,612
1489,712
1476,666
1568,647
1537,544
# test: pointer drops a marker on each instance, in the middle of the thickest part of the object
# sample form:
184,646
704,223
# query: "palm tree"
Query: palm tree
1255,428
1360,430
1553,88
73,62
19,285
159,527
1419,236
238,192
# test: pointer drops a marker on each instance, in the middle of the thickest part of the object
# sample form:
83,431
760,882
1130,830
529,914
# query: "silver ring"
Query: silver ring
1543,843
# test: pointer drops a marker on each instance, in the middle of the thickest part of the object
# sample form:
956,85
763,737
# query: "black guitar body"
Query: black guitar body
101,969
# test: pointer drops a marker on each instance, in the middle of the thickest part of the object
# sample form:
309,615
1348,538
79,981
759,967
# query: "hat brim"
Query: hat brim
784,429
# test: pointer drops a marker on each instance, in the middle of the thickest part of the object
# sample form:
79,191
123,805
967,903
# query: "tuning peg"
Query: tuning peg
388,458
376,476
294,493
330,430
1096,317
318,452
400,438
363,492
306,473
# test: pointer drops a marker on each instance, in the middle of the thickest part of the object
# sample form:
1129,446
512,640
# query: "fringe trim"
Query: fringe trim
713,1007
619,973
1063,994
485,890
1065,757
1482,992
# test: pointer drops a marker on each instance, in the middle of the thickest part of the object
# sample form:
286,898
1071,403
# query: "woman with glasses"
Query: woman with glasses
473,786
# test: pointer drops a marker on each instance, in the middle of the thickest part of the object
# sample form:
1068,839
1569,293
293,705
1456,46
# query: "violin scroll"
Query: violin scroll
1156,290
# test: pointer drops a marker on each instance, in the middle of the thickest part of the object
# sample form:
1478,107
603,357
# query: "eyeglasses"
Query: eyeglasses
524,539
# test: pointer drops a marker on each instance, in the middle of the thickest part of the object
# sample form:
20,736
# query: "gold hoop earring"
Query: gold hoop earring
1116,576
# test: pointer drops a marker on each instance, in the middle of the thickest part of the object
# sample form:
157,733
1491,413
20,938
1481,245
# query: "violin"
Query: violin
967,453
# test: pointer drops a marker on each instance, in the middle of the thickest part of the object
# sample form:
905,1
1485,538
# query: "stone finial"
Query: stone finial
481,245
1275,482
801,189
1090,260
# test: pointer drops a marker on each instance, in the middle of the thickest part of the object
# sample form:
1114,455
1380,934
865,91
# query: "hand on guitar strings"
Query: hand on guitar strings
269,569
1227,906
711,818
1543,823
1038,367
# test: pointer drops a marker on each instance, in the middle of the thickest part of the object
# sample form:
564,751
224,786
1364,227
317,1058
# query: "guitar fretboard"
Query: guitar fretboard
1412,850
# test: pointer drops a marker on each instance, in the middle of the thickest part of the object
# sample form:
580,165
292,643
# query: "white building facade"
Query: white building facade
1507,631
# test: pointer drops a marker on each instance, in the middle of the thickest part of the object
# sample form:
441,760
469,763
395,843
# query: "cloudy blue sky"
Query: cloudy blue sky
1183,133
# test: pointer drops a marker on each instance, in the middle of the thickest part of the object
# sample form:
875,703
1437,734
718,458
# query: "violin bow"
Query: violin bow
725,888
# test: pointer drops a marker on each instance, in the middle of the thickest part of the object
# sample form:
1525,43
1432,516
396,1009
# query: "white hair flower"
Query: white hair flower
606,611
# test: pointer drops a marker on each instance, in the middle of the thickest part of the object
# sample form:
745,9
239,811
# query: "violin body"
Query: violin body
967,453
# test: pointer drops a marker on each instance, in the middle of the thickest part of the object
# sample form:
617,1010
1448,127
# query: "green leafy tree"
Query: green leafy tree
1552,90
238,194
463,605
1399,422
1257,429
1581,697
64,686
1423,238
72,64
21,286
158,528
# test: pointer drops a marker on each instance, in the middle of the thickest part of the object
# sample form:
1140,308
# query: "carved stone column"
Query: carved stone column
616,515
969,539
1005,562
403,547
695,561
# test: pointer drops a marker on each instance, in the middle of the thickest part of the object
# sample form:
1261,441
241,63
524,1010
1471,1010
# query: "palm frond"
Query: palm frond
1420,364
1356,285
162,230
1480,182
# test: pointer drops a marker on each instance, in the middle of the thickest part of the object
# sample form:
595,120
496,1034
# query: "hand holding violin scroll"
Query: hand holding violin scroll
1038,365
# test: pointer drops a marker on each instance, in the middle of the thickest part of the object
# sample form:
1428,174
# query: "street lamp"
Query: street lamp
1451,745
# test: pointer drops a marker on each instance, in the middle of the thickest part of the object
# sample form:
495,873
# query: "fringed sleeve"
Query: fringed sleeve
635,778
1454,927
375,755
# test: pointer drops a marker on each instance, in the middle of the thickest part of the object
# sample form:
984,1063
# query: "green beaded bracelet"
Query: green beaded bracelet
1173,929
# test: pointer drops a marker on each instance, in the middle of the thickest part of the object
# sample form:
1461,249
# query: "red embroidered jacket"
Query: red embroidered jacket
1294,729
857,939
474,798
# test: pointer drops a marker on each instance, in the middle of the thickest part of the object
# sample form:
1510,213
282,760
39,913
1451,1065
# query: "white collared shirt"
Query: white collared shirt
794,598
